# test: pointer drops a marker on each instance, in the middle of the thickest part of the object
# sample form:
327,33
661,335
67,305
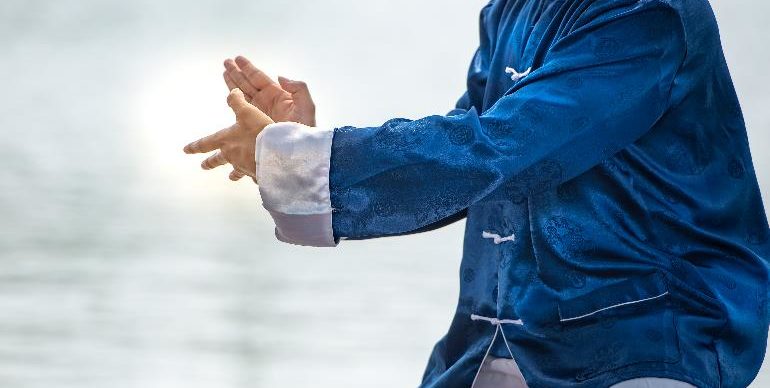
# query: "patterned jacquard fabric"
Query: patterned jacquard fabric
601,159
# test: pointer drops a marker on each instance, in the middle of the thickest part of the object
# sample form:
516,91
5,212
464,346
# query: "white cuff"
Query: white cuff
293,163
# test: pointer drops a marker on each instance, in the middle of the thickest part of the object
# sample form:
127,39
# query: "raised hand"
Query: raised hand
236,143
286,100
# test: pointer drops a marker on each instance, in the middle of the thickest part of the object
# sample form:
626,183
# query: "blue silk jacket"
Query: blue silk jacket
601,159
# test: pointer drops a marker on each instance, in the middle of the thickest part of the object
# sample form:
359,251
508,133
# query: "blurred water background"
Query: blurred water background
124,265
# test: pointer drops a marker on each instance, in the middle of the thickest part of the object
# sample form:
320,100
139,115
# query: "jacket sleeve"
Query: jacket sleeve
473,97
599,89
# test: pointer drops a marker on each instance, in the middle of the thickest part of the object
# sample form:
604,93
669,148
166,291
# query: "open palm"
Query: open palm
285,100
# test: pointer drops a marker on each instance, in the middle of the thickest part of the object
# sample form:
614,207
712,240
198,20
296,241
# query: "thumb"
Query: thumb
237,102
246,114
297,88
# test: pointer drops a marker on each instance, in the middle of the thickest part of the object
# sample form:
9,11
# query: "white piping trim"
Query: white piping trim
497,238
613,306
510,352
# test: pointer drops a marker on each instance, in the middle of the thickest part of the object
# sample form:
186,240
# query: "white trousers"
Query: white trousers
504,373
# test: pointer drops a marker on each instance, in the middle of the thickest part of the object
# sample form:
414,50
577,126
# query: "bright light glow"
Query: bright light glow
180,100
176,103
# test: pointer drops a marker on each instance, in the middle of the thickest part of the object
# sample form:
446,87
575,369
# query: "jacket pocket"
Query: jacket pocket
618,326
615,296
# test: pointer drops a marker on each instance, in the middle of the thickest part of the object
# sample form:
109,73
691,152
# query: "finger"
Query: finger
229,80
203,145
231,66
214,161
240,80
268,90
231,85
236,175
256,77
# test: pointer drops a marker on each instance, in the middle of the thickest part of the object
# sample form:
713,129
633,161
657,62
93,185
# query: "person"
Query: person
615,231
